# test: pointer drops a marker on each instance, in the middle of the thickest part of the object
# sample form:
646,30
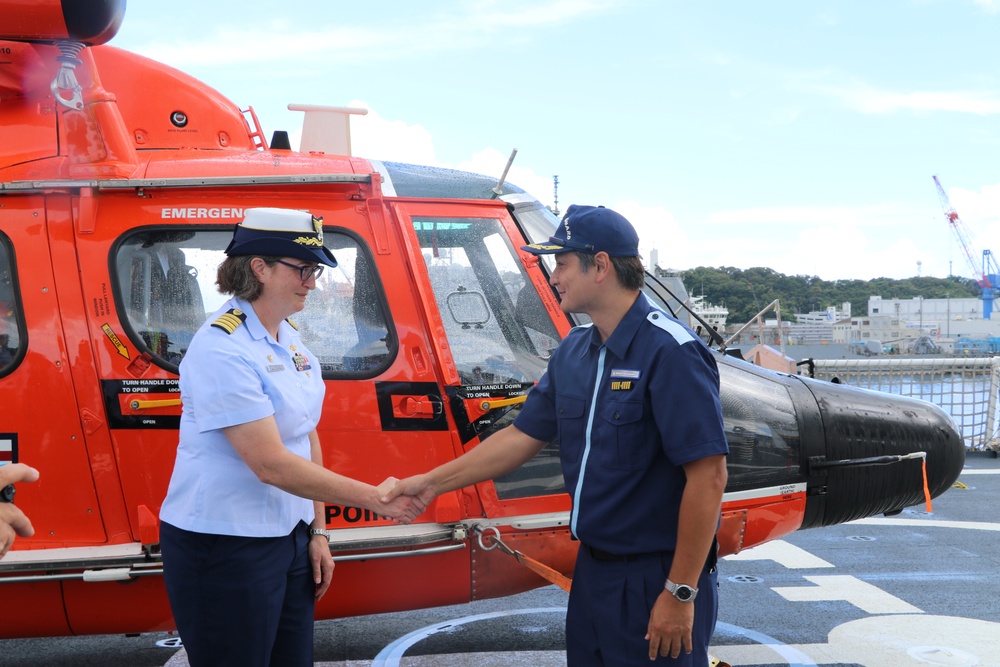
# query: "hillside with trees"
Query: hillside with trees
746,291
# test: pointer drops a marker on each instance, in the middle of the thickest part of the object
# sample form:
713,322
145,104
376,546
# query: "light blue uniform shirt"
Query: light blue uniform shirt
234,378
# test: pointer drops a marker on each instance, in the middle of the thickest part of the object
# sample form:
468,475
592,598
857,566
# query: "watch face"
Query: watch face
683,593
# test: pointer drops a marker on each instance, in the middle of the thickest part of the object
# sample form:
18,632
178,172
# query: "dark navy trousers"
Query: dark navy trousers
609,606
241,601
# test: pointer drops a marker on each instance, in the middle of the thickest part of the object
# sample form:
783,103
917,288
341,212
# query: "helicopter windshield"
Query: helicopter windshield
497,327
537,223
498,330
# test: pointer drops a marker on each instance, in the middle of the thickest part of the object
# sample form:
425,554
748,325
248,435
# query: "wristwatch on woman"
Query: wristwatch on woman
319,531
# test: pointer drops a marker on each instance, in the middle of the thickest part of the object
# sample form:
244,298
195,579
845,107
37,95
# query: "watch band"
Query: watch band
319,531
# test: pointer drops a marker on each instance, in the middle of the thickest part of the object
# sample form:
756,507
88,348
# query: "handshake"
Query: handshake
404,500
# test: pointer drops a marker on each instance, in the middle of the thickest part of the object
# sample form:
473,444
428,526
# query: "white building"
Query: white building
883,328
939,318
817,326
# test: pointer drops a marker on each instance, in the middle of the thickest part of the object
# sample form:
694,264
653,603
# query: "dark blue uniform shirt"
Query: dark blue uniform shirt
629,412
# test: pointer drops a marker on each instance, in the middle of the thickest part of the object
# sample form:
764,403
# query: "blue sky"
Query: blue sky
801,136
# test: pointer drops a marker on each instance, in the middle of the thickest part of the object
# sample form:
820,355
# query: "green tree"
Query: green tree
746,291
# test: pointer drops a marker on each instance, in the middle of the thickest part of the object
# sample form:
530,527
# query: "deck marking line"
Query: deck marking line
795,657
391,654
862,595
932,523
782,553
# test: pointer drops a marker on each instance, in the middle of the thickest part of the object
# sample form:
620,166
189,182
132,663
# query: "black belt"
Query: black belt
600,554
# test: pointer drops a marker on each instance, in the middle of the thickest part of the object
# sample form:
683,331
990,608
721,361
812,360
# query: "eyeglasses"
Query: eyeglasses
575,245
305,272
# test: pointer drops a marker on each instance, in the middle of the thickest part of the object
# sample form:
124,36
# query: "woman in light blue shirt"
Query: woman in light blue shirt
245,552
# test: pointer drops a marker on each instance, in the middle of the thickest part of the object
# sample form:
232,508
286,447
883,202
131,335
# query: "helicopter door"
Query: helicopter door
494,335
51,414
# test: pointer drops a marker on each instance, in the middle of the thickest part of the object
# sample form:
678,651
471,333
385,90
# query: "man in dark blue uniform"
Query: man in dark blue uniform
634,400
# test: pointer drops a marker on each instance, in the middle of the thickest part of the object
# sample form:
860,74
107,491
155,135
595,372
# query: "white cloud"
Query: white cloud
658,229
811,216
383,139
491,15
242,46
977,208
461,26
868,99
829,242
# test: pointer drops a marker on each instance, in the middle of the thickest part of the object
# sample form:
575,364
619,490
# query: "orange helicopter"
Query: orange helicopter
120,182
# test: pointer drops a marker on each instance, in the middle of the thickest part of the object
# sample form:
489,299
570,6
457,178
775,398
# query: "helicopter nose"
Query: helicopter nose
872,456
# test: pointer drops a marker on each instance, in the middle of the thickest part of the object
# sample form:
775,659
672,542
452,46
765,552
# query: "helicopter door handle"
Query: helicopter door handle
419,407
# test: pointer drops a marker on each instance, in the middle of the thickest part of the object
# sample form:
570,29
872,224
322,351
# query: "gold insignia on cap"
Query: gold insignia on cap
230,320
317,240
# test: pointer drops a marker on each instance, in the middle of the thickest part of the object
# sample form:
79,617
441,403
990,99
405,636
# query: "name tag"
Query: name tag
274,368
625,373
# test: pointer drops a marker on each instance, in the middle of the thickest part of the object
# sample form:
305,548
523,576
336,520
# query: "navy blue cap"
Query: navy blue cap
281,232
591,229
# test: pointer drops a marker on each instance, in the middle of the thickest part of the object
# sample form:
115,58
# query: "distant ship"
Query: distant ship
714,315
675,294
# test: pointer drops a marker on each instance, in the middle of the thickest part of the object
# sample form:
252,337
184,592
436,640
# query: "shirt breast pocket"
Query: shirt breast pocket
572,426
627,446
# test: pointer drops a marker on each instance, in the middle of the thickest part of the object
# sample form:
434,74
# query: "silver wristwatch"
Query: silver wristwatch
319,531
682,592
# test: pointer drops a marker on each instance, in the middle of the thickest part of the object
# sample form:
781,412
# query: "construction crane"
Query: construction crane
987,273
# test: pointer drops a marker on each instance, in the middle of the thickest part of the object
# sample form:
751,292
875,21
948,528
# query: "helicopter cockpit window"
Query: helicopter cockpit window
166,287
10,332
497,327
345,322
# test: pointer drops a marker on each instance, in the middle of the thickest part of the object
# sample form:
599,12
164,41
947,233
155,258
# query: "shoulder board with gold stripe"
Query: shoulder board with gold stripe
291,323
230,320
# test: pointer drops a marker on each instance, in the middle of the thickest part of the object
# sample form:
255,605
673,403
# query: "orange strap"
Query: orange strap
546,572
927,491
541,569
